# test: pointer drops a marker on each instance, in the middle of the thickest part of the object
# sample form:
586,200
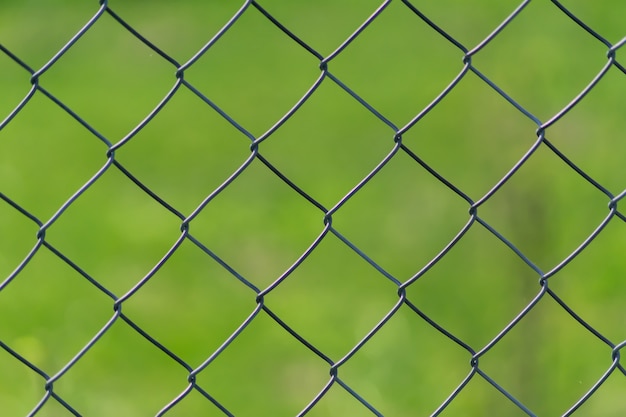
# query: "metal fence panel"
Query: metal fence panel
333,208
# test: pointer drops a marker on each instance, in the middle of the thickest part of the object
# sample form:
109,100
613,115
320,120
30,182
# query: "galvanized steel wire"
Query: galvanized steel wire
468,65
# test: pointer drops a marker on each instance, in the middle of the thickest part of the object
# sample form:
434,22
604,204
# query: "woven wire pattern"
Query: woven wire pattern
369,293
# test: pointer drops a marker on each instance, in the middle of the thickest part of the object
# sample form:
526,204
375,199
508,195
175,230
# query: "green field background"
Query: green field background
259,226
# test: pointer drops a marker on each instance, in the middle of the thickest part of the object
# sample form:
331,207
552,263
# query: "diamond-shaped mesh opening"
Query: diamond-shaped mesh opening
320,301
125,69
542,190
183,165
469,276
419,214
101,373
594,295
449,148
206,322
526,360
409,84
558,57
260,83
263,256
58,317
592,132
320,160
38,176
250,362
118,221
409,347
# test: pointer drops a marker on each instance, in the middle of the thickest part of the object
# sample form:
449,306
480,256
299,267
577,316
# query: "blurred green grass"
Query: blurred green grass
401,219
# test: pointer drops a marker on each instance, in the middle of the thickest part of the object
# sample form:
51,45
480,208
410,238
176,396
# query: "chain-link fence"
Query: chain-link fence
325,208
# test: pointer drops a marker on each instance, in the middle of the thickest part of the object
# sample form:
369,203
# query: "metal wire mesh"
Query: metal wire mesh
408,258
